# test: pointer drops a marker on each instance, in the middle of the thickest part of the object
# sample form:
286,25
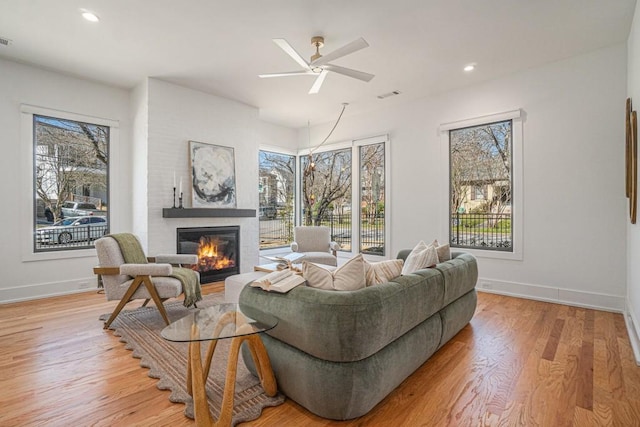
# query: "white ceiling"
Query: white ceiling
418,47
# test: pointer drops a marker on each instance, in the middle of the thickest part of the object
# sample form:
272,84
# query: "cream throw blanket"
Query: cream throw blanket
133,254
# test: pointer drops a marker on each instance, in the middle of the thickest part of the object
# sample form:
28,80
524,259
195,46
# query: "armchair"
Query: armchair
124,268
315,242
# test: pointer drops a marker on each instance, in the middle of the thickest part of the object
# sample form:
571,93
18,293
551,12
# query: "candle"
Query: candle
181,186
174,180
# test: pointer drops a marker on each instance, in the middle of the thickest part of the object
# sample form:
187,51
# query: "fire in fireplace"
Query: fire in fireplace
218,250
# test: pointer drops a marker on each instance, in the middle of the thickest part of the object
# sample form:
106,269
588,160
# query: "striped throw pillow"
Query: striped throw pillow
383,271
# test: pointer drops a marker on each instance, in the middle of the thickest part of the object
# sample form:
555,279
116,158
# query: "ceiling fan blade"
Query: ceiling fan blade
286,74
289,50
344,50
316,85
360,75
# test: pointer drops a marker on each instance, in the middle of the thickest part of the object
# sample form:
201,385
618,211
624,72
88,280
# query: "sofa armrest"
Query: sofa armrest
403,254
189,259
146,269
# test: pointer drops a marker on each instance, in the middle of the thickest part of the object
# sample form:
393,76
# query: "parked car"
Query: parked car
83,228
70,209
269,212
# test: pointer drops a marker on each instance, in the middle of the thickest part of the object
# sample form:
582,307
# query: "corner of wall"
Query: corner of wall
633,327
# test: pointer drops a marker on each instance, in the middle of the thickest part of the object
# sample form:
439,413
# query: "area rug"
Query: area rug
140,330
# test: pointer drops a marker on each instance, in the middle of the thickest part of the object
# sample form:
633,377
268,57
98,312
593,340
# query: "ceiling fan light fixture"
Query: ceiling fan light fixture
469,67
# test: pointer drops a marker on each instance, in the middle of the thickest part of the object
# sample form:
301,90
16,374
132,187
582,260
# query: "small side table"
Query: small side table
221,321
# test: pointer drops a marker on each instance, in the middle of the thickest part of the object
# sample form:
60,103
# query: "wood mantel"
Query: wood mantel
207,213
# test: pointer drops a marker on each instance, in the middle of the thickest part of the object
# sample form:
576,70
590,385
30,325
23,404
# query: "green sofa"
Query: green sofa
339,353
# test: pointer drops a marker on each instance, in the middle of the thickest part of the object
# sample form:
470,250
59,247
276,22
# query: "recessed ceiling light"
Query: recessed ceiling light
89,16
470,67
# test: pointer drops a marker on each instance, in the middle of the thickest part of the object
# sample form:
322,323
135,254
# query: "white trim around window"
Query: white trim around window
517,208
26,178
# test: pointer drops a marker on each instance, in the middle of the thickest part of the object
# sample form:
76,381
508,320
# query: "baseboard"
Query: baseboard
46,290
633,327
556,295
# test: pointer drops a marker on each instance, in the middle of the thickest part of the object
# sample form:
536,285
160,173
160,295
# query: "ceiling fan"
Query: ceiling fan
319,65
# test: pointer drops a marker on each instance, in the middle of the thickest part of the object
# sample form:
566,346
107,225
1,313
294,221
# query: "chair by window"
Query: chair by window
158,280
315,242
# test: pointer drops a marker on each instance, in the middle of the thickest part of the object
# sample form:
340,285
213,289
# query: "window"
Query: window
485,184
326,192
372,199
276,192
70,183
344,186
329,179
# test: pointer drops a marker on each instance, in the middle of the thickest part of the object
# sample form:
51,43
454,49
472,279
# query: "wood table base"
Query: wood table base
196,378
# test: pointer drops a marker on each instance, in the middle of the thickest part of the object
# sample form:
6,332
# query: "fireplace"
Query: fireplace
218,250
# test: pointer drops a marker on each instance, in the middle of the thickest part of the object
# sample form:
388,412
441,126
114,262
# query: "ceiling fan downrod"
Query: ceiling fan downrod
318,42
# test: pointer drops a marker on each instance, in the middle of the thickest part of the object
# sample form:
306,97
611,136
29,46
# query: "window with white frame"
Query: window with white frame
484,197
276,194
70,182
344,186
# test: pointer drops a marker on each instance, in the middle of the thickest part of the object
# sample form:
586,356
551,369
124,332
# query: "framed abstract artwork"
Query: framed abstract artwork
213,175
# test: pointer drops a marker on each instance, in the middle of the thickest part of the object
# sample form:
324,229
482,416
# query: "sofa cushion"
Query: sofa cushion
382,271
347,277
421,256
460,275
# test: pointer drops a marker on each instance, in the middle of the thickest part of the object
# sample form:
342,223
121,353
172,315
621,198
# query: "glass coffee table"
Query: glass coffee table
221,321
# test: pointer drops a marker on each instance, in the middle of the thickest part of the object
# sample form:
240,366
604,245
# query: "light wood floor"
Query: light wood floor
519,362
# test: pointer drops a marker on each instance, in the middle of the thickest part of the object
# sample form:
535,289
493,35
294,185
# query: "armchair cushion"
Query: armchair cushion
146,269
312,239
167,287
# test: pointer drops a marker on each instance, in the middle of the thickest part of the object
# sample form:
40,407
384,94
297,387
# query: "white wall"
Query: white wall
574,202
139,160
633,230
178,115
25,275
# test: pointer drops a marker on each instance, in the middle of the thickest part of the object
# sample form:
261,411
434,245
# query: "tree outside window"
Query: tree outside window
372,197
276,192
326,193
481,186
70,179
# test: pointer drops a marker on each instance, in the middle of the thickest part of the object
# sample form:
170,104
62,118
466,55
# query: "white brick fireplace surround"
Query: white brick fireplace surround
167,118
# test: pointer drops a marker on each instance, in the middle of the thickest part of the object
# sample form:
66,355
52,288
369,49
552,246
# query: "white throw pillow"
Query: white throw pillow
382,271
347,277
422,256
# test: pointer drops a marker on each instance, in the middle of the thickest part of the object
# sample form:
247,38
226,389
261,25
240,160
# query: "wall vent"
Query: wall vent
386,95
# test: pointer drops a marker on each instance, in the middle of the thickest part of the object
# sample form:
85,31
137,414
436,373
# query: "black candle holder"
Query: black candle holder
174,198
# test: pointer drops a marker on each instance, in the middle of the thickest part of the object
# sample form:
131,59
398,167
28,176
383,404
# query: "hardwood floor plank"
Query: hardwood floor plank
518,363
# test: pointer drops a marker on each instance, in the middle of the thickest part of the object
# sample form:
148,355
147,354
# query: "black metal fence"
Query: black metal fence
279,232
58,238
481,231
